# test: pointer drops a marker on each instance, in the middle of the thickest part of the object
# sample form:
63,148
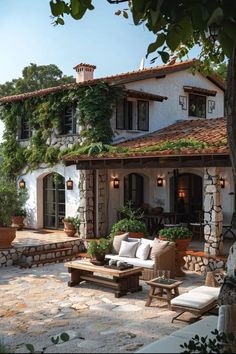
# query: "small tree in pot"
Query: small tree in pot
97,249
131,221
20,212
71,225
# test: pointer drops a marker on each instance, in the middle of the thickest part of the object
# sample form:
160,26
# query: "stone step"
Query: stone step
46,261
51,250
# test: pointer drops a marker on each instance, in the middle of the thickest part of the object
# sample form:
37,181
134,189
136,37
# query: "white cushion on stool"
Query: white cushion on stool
194,300
207,290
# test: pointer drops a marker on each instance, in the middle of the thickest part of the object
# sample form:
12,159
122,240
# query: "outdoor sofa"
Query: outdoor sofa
160,255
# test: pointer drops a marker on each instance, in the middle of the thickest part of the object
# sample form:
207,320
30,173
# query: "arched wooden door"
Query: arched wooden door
133,189
53,201
187,195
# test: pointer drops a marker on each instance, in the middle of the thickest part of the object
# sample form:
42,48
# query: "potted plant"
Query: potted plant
71,225
130,221
20,212
97,249
182,237
8,204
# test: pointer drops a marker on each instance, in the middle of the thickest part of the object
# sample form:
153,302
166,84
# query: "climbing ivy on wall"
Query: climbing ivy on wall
43,113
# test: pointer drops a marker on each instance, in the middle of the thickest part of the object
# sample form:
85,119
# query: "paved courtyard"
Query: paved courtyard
37,304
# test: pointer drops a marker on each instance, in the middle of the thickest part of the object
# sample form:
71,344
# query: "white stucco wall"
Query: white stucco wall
34,184
162,114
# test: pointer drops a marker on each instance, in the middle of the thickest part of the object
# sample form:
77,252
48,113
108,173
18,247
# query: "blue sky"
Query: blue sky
110,42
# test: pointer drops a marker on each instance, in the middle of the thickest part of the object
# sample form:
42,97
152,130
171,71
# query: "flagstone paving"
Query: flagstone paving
36,304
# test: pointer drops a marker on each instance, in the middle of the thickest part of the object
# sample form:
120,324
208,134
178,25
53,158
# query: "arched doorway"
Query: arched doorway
133,189
53,201
187,196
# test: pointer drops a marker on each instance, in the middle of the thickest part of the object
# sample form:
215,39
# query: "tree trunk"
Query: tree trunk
230,105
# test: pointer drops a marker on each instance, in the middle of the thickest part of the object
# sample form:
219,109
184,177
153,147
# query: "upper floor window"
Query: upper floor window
143,115
197,106
25,129
68,122
132,115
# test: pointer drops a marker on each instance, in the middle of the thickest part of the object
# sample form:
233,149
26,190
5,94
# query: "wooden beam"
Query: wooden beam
155,162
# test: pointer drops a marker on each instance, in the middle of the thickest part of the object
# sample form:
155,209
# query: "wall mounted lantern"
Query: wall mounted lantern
159,182
116,183
22,184
222,182
214,31
69,184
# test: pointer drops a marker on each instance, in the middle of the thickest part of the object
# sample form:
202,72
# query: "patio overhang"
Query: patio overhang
145,95
173,161
199,90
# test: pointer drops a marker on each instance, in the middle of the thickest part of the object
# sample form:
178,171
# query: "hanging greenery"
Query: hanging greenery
43,113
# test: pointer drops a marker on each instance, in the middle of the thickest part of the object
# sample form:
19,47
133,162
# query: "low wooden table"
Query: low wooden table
122,281
161,289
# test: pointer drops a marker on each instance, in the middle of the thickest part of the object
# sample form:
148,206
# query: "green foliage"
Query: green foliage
22,196
130,212
44,116
221,70
99,247
73,220
8,200
129,225
35,78
63,337
175,233
220,343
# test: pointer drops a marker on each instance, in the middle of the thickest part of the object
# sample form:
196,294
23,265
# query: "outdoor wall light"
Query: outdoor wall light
222,182
214,31
22,184
116,183
69,184
181,194
159,182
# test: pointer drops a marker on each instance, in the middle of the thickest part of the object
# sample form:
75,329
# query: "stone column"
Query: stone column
86,207
213,215
102,202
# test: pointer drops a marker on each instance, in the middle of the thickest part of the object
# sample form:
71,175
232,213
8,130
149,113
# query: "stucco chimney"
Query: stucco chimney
84,72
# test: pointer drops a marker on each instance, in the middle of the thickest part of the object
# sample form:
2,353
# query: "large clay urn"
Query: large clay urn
7,235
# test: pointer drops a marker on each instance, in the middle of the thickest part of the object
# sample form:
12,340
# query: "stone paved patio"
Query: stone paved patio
37,304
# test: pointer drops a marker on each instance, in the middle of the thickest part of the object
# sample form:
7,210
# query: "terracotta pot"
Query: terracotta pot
7,235
132,234
18,222
69,229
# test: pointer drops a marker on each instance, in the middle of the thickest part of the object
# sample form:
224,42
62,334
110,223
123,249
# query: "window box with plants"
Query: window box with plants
97,250
182,236
131,222
71,225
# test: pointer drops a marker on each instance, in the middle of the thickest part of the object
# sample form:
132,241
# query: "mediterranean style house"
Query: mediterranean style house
170,151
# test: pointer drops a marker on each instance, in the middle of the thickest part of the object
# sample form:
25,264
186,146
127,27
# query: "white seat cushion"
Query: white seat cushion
143,251
207,290
147,263
193,300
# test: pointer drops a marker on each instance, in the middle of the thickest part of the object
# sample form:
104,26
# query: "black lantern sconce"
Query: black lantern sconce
22,184
116,183
214,31
159,182
222,182
69,184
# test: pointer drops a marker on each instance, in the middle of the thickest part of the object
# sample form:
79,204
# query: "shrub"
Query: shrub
175,233
100,247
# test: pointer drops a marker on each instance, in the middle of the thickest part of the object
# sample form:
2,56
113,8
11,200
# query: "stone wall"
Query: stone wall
213,216
102,203
32,254
86,207
63,141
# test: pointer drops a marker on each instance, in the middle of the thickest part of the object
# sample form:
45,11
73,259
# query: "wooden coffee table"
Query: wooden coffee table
161,289
122,281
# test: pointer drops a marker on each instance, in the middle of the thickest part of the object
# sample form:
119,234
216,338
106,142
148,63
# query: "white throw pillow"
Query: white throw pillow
128,249
143,251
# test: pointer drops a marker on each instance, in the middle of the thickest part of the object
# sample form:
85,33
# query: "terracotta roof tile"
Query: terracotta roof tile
212,132
114,79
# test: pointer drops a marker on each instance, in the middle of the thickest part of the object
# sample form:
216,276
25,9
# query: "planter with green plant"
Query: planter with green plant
71,225
97,249
20,213
131,221
182,237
